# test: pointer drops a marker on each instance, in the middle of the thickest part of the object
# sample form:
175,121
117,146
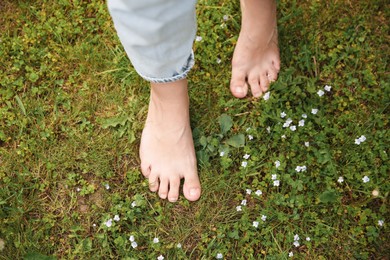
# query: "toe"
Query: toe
254,83
153,182
163,190
272,74
174,185
264,82
191,187
238,85
145,169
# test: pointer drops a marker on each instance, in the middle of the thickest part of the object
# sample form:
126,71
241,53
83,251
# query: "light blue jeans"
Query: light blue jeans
157,36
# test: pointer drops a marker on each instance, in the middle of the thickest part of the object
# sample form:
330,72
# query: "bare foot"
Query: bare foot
167,150
256,57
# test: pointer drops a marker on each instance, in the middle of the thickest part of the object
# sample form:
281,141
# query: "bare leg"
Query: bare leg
167,151
256,57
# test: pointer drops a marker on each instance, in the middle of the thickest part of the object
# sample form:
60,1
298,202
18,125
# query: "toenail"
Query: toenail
193,192
172,199
239,90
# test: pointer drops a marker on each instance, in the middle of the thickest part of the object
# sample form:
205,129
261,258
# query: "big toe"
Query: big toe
238,85
191,188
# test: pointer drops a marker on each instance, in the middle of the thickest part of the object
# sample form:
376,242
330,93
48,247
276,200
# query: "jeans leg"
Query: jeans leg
157,36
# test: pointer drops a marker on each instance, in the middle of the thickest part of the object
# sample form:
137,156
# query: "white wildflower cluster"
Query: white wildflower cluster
133,243
250,137
287,123
360,140
266,96
276,182
300,168
340,179
160,257
381,222
277,164
296,241
291,254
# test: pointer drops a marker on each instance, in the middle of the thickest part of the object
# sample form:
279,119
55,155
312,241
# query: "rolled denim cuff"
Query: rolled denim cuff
175,76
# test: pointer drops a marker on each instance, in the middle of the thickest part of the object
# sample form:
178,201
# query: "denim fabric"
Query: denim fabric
157,36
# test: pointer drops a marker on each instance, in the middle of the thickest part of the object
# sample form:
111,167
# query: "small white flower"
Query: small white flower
282,115
108,223
269,129
156,240
277,164
178,245
133,204
381,222
301,122
307,144
340,179
250,137
276,183
78,189
284,136
304,115
116,218
365,179
244,164
222,153
287,123
218,60
293,128
266,95
160,257
131,238
226,17
248,191
246,156
291,254
219,256
303,168
357,141
198,38
296,237
274,177
243,202
296,243
314,111
308,239
327,88
255,224
238,208
263,218
320,92
247,129
94,225
375,193
258,192
298,168
107,186
134,244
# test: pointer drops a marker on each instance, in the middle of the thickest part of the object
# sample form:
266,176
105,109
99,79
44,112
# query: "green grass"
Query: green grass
72,110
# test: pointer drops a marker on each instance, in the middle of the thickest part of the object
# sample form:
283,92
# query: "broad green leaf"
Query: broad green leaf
328,196
236,141
225,123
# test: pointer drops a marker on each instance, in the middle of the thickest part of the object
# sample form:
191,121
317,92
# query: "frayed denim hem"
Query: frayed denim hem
175,77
